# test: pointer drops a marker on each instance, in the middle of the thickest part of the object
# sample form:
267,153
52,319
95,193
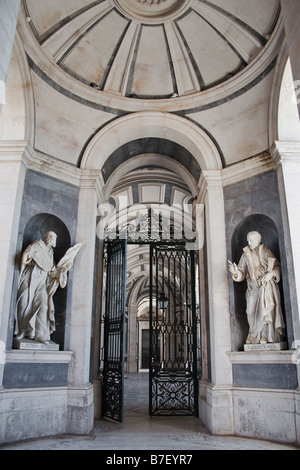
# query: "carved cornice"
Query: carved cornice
235,173
12,150
285,152
50,166
248,168
90,179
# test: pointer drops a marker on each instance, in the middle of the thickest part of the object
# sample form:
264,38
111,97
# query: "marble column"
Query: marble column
216,396
81,399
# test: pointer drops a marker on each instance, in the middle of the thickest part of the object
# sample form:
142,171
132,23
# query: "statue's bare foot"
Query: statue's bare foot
263,340
20,336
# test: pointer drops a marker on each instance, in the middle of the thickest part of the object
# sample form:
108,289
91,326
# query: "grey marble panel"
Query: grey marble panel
277,376
35,375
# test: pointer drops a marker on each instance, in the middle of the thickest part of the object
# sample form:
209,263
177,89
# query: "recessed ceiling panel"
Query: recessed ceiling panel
90,56
152,68
151,49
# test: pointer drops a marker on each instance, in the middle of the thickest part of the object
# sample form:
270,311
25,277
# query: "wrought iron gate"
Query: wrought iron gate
114,322
173,332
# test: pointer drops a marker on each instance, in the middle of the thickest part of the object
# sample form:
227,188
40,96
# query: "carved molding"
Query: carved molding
151,2
153,10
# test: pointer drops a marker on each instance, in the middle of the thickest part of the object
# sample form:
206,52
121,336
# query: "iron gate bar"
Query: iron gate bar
114,323
173,378
171,382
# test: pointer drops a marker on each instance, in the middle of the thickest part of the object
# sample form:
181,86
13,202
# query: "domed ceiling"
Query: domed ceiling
151,49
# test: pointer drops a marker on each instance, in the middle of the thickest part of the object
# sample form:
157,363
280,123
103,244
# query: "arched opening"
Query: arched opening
152,205
148,161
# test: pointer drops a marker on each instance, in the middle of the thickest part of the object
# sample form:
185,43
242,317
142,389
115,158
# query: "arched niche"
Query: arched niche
269,233
35,229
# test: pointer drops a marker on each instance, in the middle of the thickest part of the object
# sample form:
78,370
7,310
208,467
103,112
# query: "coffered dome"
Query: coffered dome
151,49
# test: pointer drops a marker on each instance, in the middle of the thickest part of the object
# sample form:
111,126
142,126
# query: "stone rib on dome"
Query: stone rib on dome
152,49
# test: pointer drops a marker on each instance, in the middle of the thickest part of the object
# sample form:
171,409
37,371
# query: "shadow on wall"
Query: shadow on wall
269,233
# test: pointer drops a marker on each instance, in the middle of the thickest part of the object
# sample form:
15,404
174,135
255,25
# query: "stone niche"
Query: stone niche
48,205
35,229
267,228
254,204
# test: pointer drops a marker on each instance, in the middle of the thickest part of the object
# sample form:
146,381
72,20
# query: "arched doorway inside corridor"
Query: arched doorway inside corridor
151,322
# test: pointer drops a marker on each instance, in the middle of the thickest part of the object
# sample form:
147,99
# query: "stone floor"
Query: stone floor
140,432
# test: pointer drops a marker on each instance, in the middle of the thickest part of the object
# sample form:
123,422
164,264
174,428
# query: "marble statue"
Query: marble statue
261,269
38,282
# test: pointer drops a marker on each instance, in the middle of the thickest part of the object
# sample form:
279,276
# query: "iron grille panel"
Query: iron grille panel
173,332
173,395
114,322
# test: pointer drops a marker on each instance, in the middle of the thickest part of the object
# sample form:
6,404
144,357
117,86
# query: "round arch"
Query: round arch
283,115
154,160
157,125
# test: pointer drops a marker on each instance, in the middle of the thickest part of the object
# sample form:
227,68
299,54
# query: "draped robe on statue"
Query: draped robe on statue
39,280
264,312
33,318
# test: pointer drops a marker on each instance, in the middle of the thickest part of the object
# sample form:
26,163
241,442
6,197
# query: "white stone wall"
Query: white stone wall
290,13
9,10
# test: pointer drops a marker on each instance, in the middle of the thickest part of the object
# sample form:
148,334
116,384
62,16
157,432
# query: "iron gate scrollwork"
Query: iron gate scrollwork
114,325
173,332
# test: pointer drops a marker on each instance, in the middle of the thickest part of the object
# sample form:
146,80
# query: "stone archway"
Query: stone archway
208,188
151,125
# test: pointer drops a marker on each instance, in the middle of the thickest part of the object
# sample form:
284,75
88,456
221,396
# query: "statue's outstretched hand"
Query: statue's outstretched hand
233,268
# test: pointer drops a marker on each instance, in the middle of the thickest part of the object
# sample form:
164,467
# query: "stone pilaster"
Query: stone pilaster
12,176
81,400
286,157
215,397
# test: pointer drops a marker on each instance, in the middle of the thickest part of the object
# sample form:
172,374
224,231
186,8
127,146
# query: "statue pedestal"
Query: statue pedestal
265,347
34,345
